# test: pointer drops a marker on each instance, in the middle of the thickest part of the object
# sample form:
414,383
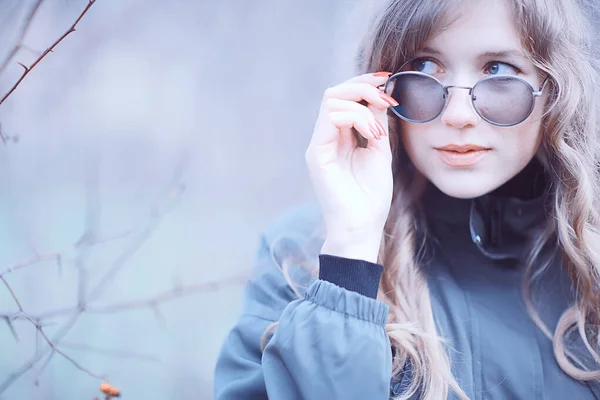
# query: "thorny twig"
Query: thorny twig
39,329
58,256
24,29
83,247
32,260
83,244
47,51
89,240
151,302
85,301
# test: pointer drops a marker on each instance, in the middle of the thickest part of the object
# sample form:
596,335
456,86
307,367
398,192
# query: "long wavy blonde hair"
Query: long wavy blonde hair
559,38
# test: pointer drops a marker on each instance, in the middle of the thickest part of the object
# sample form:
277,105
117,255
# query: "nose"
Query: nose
459,112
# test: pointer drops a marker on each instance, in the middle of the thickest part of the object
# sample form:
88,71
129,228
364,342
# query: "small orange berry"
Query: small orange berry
105,387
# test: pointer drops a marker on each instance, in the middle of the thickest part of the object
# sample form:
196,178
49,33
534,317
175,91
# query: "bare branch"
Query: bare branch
173,194
38,326
42,368
12,293
11,327
57,256
56,350
83,249
32,260
170,295
75,312
112,352
80,367
47,51
162,321
92,222
12,378
68,358
23,32
2,135
151,302
29,49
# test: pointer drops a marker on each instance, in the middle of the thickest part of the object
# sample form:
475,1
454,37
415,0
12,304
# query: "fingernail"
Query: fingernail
375,132
381,128
388,99
382,74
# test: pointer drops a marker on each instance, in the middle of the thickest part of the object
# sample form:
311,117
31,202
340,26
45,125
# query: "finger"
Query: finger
345,105
360,92
335,126
335,105
381,119
346,120
376,79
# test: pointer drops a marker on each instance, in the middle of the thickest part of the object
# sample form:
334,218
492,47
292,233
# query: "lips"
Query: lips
464,155
462,148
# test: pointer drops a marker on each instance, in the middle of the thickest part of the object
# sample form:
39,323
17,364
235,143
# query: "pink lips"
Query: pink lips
465,155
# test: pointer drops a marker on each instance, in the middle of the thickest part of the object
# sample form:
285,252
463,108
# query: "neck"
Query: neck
528,184
502,221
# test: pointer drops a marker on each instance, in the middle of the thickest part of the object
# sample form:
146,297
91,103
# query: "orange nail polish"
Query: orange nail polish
375,132
381,128
388,98
382,74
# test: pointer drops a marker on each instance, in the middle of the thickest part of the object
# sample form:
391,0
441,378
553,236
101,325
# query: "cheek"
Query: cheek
528,142
414,139
524,139
513,149
412,143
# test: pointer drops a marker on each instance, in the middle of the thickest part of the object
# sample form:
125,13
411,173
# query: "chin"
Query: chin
464,186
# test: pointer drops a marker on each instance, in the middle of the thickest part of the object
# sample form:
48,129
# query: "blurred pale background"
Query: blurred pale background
173,132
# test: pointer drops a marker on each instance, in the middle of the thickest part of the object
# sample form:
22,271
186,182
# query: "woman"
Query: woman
460,203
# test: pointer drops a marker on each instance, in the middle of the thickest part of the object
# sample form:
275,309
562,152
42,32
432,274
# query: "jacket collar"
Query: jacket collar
502,222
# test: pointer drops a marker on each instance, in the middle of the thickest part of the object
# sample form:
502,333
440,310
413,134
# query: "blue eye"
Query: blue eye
500,68
426,66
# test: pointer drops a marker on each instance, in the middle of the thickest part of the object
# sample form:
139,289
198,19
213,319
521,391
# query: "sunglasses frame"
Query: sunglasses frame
534,95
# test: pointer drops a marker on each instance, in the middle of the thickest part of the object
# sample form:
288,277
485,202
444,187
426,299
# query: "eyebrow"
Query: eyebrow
487,54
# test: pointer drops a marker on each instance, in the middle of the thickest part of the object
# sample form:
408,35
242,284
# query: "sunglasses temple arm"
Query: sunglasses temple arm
539,93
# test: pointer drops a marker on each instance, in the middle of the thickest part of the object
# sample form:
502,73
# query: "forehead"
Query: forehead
477,27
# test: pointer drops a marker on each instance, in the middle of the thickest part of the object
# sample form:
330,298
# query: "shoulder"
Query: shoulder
286,261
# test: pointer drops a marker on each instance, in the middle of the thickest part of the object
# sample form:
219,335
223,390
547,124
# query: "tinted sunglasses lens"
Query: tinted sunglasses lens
421,97
503,100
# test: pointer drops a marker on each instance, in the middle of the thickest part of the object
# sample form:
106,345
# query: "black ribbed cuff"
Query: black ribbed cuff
355,275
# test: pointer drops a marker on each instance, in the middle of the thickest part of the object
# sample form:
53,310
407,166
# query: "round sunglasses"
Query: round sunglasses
502,100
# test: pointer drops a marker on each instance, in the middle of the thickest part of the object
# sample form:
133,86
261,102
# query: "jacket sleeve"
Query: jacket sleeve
330,342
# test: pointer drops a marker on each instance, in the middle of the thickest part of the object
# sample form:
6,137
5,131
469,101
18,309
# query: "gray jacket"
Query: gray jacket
331,343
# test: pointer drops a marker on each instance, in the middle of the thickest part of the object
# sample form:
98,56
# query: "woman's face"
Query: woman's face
482,42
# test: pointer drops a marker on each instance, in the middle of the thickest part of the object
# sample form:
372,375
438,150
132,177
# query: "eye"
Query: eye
501,68
425,66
